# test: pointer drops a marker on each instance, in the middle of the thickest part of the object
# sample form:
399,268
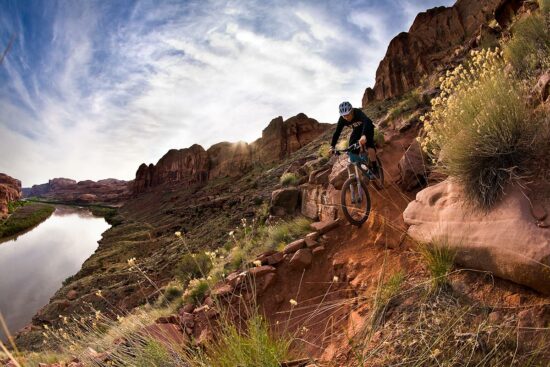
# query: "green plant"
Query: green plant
409,102
379,139
154,353
193,266
289,179
285,232
477,131
529,48
438,256
324,150
13,205
25,218
252,346
196,291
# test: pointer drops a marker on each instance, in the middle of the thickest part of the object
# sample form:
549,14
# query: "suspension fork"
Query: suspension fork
357,177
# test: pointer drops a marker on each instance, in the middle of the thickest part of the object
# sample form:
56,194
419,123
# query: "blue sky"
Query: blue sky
91,89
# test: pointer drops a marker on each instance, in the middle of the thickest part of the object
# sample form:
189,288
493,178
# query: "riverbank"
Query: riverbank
24,218
108,212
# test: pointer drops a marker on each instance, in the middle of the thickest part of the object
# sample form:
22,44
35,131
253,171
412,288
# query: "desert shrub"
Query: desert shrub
529,48
25,218
408,103
343,144
379,139
154,353
285,232
193,266
253,346
324,151
289,179
385,293
13,205
438,256
477,130
196,291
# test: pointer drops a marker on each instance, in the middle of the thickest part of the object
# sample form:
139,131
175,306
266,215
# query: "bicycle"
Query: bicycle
355,198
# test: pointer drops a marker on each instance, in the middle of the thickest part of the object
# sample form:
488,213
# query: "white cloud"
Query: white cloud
174,75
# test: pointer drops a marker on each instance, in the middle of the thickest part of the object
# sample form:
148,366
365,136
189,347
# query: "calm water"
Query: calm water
33,266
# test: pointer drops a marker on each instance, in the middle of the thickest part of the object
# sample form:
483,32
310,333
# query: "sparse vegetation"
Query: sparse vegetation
286,232
193,266
409,102
110,214
439,259
289,179
324,151
529,48
379,139
196,291
24,218
385,294
13,205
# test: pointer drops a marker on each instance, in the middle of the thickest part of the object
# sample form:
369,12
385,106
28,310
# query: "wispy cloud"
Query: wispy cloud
92,89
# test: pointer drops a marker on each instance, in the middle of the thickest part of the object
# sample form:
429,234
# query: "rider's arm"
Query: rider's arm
337,133
368,129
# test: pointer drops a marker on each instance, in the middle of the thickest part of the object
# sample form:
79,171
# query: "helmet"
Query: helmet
345,108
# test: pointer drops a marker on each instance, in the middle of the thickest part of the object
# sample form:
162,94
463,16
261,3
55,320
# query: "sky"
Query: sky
91,89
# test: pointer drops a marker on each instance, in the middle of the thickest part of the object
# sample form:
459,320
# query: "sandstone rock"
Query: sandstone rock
275,258
318,250
171,319
222,290
412,168
432,37
505,241
339,173
72,295
10,190
261,270
301,259
311,239
286,199
368,97
85,192
533,331
319,177
542,88
264,283
229,159
311,198
325,226
294,246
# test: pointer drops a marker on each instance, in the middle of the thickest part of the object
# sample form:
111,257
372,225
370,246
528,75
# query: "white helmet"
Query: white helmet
345,108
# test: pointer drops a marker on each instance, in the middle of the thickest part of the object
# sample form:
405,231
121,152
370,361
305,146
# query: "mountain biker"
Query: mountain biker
363,132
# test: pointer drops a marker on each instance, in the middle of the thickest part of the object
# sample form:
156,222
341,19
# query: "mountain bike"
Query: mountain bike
355,198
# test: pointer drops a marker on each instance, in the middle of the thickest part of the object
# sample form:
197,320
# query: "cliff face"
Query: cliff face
10,190
88,191
431,42
194,165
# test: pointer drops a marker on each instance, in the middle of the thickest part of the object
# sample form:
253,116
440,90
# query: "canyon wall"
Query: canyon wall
195,165
110,191
10,190
434,40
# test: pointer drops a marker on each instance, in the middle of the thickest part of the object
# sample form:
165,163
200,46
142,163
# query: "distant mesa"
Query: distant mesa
108,191
195,165
436,38
10,190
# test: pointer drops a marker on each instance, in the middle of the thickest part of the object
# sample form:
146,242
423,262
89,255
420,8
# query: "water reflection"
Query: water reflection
33,266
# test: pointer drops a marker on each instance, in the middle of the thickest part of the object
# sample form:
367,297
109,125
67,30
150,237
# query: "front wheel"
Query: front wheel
355,201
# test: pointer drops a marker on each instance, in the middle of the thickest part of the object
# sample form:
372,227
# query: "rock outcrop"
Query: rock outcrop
195,165
109,190
431,42
508,241
10,190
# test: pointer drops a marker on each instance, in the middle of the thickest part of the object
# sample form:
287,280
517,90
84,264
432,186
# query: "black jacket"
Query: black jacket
361,124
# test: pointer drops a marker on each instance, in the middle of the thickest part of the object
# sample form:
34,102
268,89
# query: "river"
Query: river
34,265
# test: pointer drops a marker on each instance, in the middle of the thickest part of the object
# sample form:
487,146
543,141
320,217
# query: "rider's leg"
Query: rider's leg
372,159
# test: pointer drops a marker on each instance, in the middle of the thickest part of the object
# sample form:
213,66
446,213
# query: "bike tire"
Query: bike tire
346,187
379,182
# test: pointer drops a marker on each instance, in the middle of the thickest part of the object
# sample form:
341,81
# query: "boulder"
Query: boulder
319,177
294,246
261,270
542,88
285,201
310,200
301,259
412,168
325,226
339,173
505,241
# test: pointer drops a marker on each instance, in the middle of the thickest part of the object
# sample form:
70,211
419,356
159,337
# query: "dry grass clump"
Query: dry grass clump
480,130
438,257
289,179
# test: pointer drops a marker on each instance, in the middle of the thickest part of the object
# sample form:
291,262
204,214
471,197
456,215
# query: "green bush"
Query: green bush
529,48
154,353
25,218
13,205
438,256
193,266
196,291
286,232
379,139
324,150
411,101
254,346
289,179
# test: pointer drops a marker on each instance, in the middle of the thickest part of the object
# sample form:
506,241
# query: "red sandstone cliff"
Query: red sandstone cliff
194,165
431,42
10,190
63,189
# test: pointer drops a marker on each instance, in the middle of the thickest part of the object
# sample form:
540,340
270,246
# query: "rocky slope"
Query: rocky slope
111,191
10,190
195,165
437,38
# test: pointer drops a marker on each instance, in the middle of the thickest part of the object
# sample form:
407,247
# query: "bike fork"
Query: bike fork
355,198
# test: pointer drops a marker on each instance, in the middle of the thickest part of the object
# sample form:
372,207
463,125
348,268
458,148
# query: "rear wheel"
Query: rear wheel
355,201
